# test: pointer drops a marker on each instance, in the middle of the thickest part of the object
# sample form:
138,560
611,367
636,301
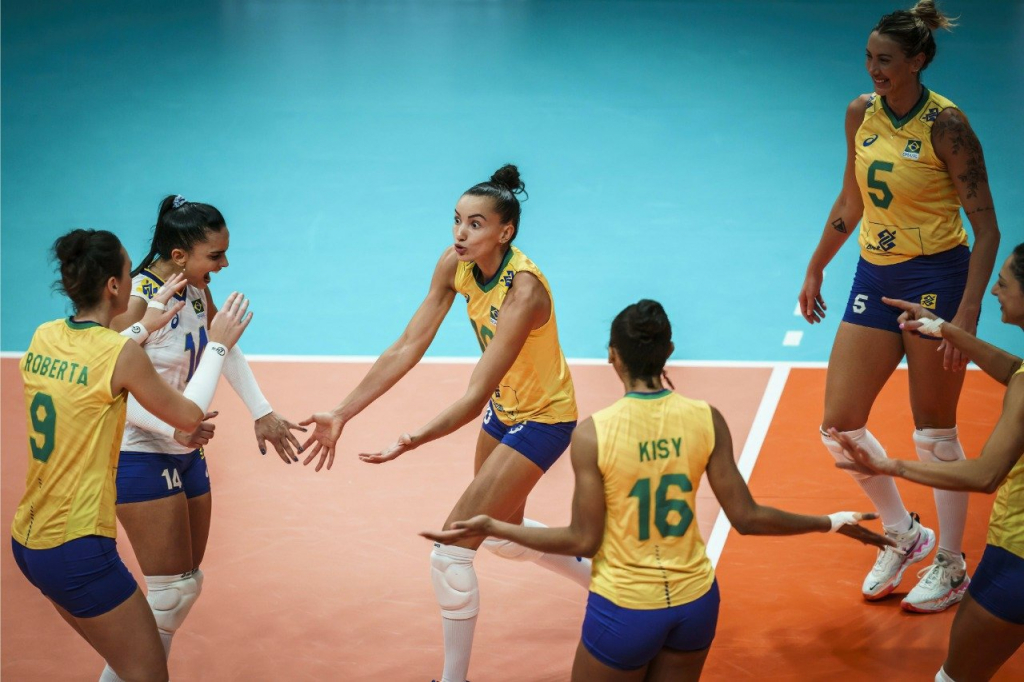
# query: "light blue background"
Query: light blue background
683,151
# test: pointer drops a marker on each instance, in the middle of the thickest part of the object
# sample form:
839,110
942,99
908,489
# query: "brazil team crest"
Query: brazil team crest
929,301
913,150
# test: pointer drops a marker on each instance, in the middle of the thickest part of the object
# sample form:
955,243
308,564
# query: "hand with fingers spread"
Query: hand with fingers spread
160,310
862,461
477,526
327,428
812,305
847,523
399,447
201,436
278,430
231,320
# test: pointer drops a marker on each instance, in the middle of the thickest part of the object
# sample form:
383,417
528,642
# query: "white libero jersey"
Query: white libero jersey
174,351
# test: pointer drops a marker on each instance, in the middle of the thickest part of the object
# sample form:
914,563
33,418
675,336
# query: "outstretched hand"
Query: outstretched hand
461,530
399,447
278,430
327,428
861,461
852,529
158,311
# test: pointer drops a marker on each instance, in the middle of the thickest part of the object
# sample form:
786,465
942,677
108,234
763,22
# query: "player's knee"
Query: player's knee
454,581
860,436
171,598
510,550
938,445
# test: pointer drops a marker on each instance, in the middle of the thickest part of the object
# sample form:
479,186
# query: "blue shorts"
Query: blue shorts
84,576
998,584
542,444
629,639
144,476
937,282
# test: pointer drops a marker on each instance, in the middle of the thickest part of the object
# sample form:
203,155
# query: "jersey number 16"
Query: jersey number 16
663,506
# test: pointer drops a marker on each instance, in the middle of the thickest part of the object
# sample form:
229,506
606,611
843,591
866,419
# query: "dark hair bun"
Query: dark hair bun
508,177
650,321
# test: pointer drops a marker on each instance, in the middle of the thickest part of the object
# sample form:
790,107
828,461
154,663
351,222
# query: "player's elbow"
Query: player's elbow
990,483
588,546
191,420
744,521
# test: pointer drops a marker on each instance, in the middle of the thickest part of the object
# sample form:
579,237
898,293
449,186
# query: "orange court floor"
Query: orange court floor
322,576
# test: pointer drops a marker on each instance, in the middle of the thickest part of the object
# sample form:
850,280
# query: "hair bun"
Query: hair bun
650,321
508,177
929,14
72,246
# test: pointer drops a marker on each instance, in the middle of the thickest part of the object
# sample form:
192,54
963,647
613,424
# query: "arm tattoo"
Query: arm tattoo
839,225
963,140
981,210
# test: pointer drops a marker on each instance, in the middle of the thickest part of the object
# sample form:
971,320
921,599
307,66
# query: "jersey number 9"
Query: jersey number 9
44,422
663,506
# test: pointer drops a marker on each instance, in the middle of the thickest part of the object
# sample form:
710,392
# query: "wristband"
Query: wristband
138,332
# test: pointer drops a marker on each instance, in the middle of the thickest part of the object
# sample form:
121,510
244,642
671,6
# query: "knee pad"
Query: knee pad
454,580
860,436
938,445
171,598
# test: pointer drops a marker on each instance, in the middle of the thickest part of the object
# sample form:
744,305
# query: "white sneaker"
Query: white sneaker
944,584
912,545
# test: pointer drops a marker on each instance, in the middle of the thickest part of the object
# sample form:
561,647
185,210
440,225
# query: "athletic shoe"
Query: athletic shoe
912,545
944,584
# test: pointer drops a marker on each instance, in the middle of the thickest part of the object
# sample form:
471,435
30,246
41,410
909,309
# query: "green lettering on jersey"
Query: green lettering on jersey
83,378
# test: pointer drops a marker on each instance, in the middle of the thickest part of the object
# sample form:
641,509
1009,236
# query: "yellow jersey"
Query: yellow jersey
1006,525
652,449
75,426
911,207
538,387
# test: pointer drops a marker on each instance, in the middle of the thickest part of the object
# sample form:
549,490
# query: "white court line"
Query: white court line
751,449
793,338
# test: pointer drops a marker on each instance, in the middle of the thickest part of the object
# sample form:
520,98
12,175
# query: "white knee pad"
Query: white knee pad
171,598
943,676
861,437
454,580
938,445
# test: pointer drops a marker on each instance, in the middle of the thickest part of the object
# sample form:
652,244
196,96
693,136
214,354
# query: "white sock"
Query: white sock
880,489
943,676
943,445
576,569
455,586
108,675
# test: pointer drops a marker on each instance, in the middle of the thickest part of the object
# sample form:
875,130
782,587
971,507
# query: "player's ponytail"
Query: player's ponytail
504,188
912,29
87,259
642,337
180,224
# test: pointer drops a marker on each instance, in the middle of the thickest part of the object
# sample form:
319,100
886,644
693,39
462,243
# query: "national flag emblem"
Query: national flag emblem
929,301
913,150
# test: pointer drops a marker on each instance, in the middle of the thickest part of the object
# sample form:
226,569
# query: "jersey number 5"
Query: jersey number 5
663,506
885,199
44,422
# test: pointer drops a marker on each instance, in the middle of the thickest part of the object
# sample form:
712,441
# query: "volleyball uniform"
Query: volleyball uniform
652,584
998,582
533,408
912,239
64,528
154,465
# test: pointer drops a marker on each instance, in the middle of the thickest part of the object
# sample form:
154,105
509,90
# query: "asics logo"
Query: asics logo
869,140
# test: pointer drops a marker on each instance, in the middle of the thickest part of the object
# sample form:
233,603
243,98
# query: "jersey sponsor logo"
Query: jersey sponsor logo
494,316
868,141
930,115
197,306
147,288
913,150
929,301
886,241
507,277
